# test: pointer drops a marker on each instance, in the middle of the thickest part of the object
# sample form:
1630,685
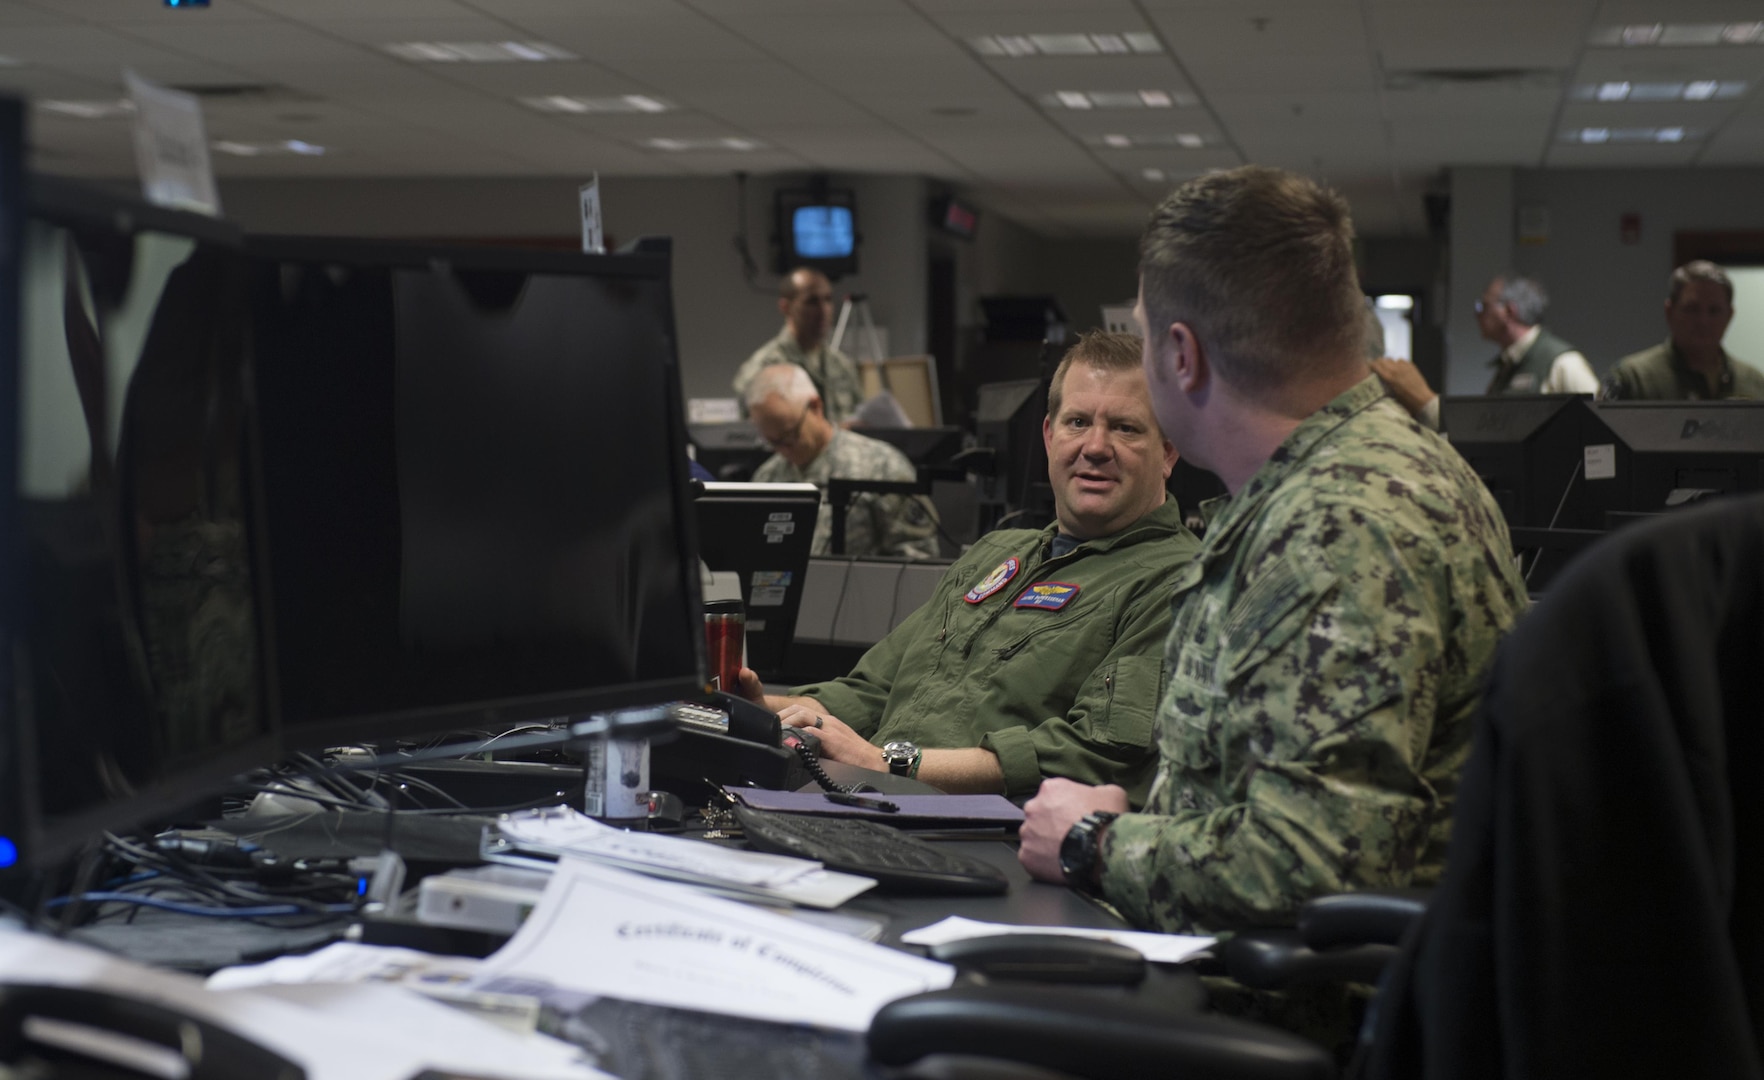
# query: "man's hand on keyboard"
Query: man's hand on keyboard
838,742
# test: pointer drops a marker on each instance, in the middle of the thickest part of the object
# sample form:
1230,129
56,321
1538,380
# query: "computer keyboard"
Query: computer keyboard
899,863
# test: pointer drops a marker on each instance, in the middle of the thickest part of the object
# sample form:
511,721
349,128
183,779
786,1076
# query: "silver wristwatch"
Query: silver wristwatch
901,757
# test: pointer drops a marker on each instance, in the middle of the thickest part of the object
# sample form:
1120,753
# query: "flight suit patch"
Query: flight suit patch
1000,577
1047,595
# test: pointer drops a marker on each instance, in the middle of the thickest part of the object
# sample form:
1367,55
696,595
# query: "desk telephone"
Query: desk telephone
735,743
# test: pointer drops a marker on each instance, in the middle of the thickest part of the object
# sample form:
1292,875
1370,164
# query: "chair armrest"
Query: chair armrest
1055,958
1084,1035
1278,959
1361,918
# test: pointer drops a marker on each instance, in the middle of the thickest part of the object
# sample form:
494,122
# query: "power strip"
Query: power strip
489,898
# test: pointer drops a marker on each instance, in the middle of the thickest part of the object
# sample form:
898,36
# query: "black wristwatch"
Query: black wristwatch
1078,850
902,757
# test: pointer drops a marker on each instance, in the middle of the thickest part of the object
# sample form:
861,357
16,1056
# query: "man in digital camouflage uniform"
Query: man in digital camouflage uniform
1038,653
1329,642
809,449
805,298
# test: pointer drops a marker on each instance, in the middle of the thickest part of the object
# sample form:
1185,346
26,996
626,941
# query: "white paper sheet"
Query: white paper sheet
1158,948
603,931
364,1032
561,830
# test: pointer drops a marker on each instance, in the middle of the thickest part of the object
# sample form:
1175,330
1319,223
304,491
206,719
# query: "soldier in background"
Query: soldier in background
1531,361
1691,364
805,299
1328,644
808,448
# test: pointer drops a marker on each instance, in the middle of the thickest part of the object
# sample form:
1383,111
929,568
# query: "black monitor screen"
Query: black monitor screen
138,664
1652,456
1526,449
474,485
762,533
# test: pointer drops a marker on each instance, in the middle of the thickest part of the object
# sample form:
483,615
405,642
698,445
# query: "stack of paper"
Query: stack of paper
600,931
1158,948
559,831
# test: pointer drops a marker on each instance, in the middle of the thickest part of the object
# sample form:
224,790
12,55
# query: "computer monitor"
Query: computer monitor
1008,420
1649,457
132,604
763,532
474,487
1526,449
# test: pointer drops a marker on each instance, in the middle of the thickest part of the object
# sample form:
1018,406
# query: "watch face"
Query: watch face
899,751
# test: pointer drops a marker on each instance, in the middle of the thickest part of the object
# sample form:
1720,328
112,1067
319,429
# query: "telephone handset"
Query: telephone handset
760,724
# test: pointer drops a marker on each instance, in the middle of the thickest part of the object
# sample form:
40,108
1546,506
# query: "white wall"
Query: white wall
1481,247
721,316
1606,296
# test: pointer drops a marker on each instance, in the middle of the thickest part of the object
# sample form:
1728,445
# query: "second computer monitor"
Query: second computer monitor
474,487
763,533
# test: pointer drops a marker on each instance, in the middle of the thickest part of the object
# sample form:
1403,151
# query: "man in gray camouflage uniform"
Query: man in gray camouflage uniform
1329,643
790,416
805,298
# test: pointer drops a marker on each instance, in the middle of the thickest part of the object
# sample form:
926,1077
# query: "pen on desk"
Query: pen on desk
847,799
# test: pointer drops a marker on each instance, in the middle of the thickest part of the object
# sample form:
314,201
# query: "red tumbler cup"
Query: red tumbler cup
725,643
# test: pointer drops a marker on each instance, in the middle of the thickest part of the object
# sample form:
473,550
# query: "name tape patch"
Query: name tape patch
1047,595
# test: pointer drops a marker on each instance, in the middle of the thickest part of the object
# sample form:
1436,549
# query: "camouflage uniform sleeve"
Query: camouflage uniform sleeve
1294,754
905,526
1106,735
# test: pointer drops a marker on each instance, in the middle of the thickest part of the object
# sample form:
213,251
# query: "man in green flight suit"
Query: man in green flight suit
1038,653
1329,642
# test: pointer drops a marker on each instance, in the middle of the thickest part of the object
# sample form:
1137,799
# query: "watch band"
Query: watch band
1078,851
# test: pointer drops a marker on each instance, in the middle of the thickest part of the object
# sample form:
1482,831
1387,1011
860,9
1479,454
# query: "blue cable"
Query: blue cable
198,909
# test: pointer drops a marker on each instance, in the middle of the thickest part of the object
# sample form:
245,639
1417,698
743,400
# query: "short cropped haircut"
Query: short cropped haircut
1100,350
789,381
1699,270
787,284
1525,297
1259,263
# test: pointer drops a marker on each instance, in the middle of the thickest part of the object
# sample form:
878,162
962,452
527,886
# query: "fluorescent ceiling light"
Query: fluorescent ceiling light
1187,140
89,110
625,103
1601,135
272,148
1679,34
1156,176
476,52
1696,90
1115,99
1017,46
677,145
1396,302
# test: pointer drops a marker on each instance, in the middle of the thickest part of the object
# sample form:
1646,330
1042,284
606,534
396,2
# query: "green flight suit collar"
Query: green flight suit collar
1229,515
1166,518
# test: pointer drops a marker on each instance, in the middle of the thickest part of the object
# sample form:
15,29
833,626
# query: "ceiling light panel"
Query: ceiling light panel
477,52
272,148
1185,140
1667,35
623,103
1117,99
1601,136
1022,46
89,110
1691,90
726,143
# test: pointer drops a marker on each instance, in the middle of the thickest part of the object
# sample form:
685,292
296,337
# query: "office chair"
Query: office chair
1596,918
